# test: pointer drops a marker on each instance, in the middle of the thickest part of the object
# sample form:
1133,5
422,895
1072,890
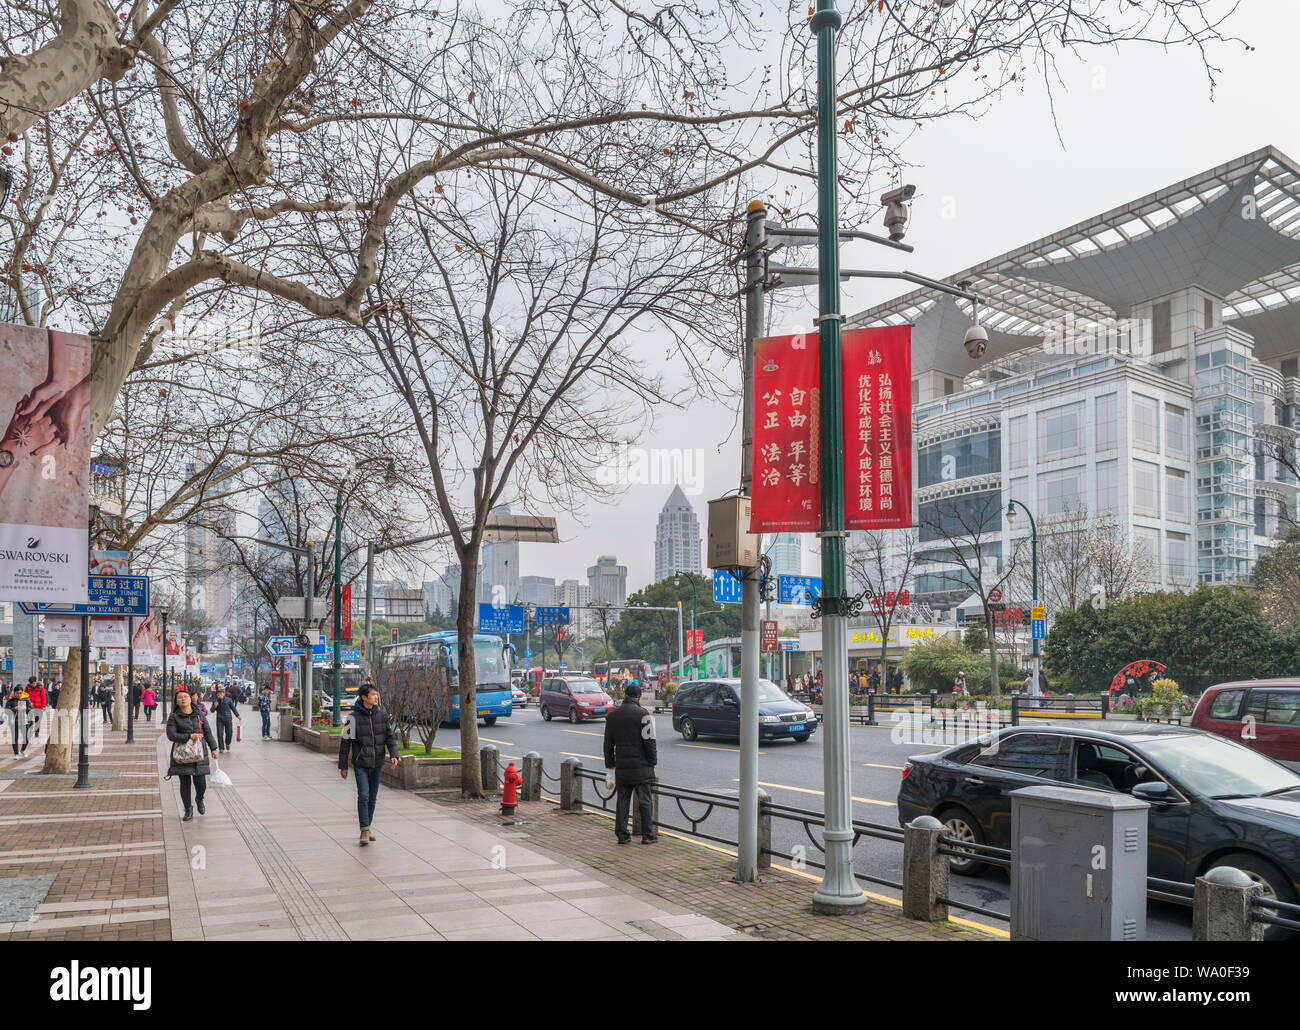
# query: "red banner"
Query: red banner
695,641
345,606
786,493
877,384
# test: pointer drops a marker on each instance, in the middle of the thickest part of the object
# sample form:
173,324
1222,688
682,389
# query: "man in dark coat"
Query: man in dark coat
224,712
367,733
632,753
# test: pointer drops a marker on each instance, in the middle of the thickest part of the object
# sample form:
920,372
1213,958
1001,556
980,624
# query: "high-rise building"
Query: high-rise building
500,567
538,590
786,554
607,580
677,537
1142,363
445,593
575,595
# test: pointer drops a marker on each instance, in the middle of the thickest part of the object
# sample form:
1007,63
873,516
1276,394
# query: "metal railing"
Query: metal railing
1024,706
1272,912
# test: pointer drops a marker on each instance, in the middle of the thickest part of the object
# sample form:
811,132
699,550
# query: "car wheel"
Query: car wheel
801,737
489,720
546,714
688,729
1276,887
573,715
962,827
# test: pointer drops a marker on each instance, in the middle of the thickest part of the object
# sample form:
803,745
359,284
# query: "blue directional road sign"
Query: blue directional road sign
798,589
283,647
726,587
789,645
504,618
352,656
528,652
1038,621
552,616
564,665
109,595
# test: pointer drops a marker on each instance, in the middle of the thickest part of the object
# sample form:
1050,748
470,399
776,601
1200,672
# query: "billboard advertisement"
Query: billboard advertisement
44,464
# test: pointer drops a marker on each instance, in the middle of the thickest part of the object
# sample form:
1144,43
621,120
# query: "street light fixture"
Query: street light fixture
1033,539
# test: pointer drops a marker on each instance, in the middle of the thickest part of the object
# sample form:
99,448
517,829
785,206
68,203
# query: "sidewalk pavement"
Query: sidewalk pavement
276,857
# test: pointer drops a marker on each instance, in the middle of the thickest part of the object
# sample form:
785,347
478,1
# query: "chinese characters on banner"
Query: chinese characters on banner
345,608
877,384
786,489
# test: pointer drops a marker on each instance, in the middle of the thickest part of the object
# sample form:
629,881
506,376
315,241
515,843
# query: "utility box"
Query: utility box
1078,865
731,544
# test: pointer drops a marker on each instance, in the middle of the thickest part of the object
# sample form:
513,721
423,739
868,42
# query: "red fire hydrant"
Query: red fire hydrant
510,781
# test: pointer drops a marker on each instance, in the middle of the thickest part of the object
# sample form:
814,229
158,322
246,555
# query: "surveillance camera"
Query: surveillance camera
898,196
896,213
976,341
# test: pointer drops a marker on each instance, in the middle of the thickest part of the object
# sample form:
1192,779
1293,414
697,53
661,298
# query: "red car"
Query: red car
574,698
1262,714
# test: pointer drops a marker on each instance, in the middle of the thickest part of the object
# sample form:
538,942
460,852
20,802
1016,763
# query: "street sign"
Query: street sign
351,656
789,645
109,595
770,641
995,594
283,647
1038,621
726,587
564,665
552,616
798,589
504,618
528,652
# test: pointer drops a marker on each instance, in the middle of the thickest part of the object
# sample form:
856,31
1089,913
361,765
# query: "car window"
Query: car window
1111,768
1226,704
1046,755
705,694
724,693
1276,707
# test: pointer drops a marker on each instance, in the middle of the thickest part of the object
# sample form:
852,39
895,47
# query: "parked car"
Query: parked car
1262,714
711,708
575,698
1213,802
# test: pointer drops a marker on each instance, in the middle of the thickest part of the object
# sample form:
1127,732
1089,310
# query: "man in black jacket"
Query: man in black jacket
225,713
367,733
631,751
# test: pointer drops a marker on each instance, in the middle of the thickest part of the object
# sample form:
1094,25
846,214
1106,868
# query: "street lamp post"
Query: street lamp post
1033,544
335,719
677,581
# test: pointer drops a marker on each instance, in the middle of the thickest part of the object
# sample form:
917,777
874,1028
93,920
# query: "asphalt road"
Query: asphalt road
792,774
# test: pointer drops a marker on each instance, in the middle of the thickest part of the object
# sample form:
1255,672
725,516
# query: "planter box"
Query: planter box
324,742
423,773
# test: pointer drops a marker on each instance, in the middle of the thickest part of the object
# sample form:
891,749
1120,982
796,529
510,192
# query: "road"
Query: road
792,774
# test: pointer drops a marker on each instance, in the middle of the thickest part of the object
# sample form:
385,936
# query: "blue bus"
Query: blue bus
492,658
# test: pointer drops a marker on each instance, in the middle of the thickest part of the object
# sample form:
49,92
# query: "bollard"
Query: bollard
571,785
1105,705
934,703
532,777
871,708
1015,709
1221,907
925,871
764,829
487,755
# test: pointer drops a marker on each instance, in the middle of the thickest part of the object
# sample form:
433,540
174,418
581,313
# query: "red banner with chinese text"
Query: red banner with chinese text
877,383
786,491
345,606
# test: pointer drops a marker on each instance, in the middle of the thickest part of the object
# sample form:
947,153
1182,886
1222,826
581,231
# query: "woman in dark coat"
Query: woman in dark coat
185,723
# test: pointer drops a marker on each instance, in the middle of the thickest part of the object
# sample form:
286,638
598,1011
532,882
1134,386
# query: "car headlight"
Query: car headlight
810,714
769,718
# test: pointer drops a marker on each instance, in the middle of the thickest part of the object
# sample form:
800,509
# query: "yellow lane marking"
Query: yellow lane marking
877,765
806,790
707,747
491,741
574,754
588,733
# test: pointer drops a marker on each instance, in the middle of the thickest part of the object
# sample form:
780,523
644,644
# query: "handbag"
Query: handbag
188,752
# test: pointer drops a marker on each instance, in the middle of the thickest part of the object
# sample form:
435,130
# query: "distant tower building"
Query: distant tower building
500,567
572,594
786,554
608,581
538,590
677,539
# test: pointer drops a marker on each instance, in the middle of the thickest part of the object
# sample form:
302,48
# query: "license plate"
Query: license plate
796,727
599,711
484,711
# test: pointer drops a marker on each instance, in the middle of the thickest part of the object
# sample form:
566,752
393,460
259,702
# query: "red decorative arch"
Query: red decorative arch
1138,669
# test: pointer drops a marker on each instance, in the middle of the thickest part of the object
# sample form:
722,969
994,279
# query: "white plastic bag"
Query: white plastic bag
609,779
219,779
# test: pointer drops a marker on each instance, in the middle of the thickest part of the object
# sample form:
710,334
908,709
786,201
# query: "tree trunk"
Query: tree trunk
62,729
120,699
995,685
471,772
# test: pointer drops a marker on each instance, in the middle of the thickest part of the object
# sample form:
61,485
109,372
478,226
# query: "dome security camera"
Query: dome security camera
976,341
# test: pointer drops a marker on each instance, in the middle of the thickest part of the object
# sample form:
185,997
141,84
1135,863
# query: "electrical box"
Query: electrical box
731,544
1078,865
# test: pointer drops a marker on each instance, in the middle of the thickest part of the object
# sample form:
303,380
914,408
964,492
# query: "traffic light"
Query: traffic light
394,636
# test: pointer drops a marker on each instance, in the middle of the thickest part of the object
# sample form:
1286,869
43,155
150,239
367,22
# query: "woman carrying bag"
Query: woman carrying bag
192,746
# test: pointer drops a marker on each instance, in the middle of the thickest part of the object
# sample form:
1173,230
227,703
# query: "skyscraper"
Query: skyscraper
608,581
786,554
677,538
500,567
537,590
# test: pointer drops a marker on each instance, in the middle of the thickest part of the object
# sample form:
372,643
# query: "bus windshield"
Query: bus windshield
490,667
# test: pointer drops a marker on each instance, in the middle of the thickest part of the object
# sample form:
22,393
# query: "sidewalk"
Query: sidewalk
276,858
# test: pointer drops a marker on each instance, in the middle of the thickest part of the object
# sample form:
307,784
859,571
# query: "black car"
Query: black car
712,708
1213,801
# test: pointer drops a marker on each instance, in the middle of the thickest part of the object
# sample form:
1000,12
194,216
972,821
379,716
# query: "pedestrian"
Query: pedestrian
186,728
53,693
1042,682
106,699
149,700
224,713
1029,681
18,708
874,680
36,692
136,694
264,706
632,753
367,734
959,686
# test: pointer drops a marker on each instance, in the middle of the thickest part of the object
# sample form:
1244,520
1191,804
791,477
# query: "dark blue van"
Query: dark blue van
711,708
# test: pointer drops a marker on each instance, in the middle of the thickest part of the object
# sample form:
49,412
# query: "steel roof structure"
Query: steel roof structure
1233,231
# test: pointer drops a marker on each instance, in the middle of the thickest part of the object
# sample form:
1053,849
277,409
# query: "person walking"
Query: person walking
18,708
186,728
36,691
264,706
105,698
136,695
632,753
149,700
224,712
367,734
959,686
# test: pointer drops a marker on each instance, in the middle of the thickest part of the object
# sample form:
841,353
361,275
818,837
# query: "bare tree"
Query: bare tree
1120,566
883,565
970,528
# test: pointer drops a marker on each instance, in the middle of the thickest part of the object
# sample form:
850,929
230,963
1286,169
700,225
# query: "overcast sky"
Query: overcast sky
1129,122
